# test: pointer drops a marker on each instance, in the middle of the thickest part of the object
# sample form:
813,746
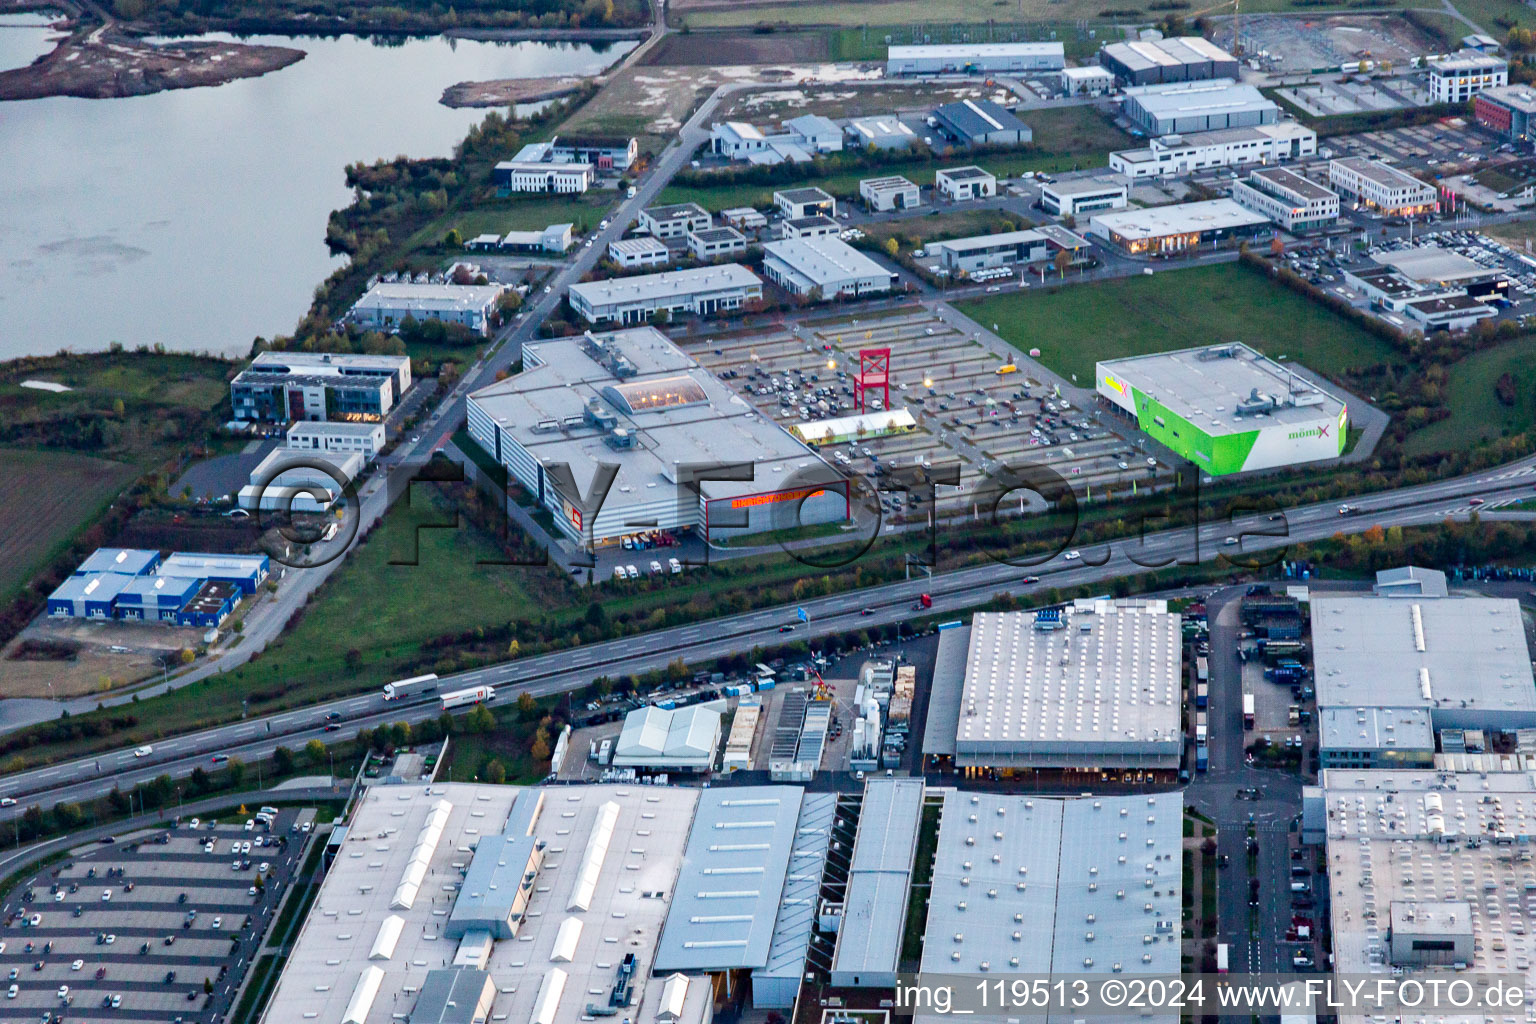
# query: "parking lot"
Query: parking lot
154,927
972,408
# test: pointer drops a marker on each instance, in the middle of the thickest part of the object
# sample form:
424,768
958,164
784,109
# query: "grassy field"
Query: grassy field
1074,327
933,16
869,42
914,232
45,496
1497,16
526,213
1477,415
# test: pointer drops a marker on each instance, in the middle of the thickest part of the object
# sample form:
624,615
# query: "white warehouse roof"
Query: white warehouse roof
658,737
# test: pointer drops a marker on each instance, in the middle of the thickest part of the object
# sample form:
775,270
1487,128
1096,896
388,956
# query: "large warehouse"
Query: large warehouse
669,740
703,291
634,401
1183,107
1183,59
1226,408
1080,690
975,59
1164,230
824,266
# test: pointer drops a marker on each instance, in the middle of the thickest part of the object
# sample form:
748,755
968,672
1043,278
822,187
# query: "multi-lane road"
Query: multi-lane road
951,592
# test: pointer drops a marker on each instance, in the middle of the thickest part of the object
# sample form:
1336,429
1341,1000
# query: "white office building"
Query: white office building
388,303
975,59
1174,155
816,226
366,439
1292,201
800,140
674,221
1457,77
963,183
640,251
794,203
1070,197
701,290
889,193
825,266
525,176
1087,81
1381,187
716,243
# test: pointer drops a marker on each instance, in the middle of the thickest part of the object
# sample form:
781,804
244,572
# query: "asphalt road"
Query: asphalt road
696,642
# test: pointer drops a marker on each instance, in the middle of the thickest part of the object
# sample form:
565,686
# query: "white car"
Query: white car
77,965
218,922
106,894
632,572
1072,556
245,847
263,867
10,993
618,572
674,565
251,891
143,751
7,801
117,1001
655,568
110,939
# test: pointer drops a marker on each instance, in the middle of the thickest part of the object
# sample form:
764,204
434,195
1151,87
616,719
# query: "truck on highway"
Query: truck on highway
412,687
923,601
1247,711
465,698
1223,962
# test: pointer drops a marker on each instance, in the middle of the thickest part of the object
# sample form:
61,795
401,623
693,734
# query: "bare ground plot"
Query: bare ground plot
94,667
44,497
771,105
711,49
1302,42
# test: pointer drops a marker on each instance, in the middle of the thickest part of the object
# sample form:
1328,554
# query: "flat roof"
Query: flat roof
1141,55
966,173
1098,680
1206,386
669,284
803,195
825,260
729,889
801,897
975,50
945,690
720,234
1179,219
815,220
880,126
1282,130
149,589
280,361
102,586
1448,304
1382,174
1516,97
886,183
988,243
1087,186
676,211
1289,180
211,597
979,117
187,563
1388,282
879,877
1450,652
1174,100
609,849
1431,263
429,297
1467,60
334,428
1372,728
640,245
129,561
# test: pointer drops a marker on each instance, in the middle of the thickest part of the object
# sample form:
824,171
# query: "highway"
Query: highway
951,592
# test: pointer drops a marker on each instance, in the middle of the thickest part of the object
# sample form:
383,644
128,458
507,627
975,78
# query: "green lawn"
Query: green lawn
1477,415
517,213
869,42
1074,327
1496,16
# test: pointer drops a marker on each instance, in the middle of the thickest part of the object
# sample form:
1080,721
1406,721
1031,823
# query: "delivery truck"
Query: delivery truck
466,698
1247,711
412,687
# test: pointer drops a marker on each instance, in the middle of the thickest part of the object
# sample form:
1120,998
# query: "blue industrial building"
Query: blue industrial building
245,571
88,597
155,598
124,561
198,590
210,606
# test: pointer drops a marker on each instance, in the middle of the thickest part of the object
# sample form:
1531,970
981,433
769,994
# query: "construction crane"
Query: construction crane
1237,13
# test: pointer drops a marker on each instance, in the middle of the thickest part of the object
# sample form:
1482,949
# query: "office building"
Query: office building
1226,408
634,400
800,140
1507,110
556,239
975,59
744,218
716,243
283,386
980,123
365,439
1155,61
817,225
511,176
1073,196
388,304
604,152
960,184
1373,185
894,192
1373,737
794,203
985,252
1457,77
674,221
824,267
1184,107
702,291
1087,81
1295,203
886,131
1174,155
639,251
1165,230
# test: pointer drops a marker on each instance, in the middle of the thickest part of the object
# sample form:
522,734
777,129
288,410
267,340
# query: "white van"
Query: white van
674,565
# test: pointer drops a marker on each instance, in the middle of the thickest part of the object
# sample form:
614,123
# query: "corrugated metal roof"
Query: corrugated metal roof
879,876
802,887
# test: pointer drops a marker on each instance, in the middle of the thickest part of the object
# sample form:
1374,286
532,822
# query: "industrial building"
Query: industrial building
1410,581
556,238
633,400
824,267
289,481
639,251
980,123
804,202
511,176
1155,61
818,225
673,221
1295,203
800,140
716,243
388,304
1457,77
975,59
1226,408
886,131
1377,186
280,387
1447,312
1374,737
744,218
1174,155
774,839
1042,886
1072,196
889,193
1507,110
669,740
194,590
1427,875
960,184
1095,686
604,152
1462,659
984,252
1435,268
872,919
702,291
1087,81
1167,230
466,903
1183,107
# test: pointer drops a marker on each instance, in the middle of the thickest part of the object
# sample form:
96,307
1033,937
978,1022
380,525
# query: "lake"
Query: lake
196,218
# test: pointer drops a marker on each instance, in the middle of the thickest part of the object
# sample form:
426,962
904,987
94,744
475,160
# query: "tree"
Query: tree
187,655
199,780
508,302
514,649
282,760
353,659
314,752
1062,261
892,248
117,408
527,706
236,772
453,240
207,986
480,719
495,772
540,750
1276,247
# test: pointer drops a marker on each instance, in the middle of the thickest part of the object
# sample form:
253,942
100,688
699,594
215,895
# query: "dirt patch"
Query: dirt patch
44,497
713,49
88,657
104,65
502,92
1300,42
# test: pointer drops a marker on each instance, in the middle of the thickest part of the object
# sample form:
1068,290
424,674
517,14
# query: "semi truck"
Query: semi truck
1202,758
1247,711
465,698
1223,963
412,687
1202,695
1202,669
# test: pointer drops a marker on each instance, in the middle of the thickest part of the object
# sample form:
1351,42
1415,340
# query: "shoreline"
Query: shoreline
502,92
104,64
